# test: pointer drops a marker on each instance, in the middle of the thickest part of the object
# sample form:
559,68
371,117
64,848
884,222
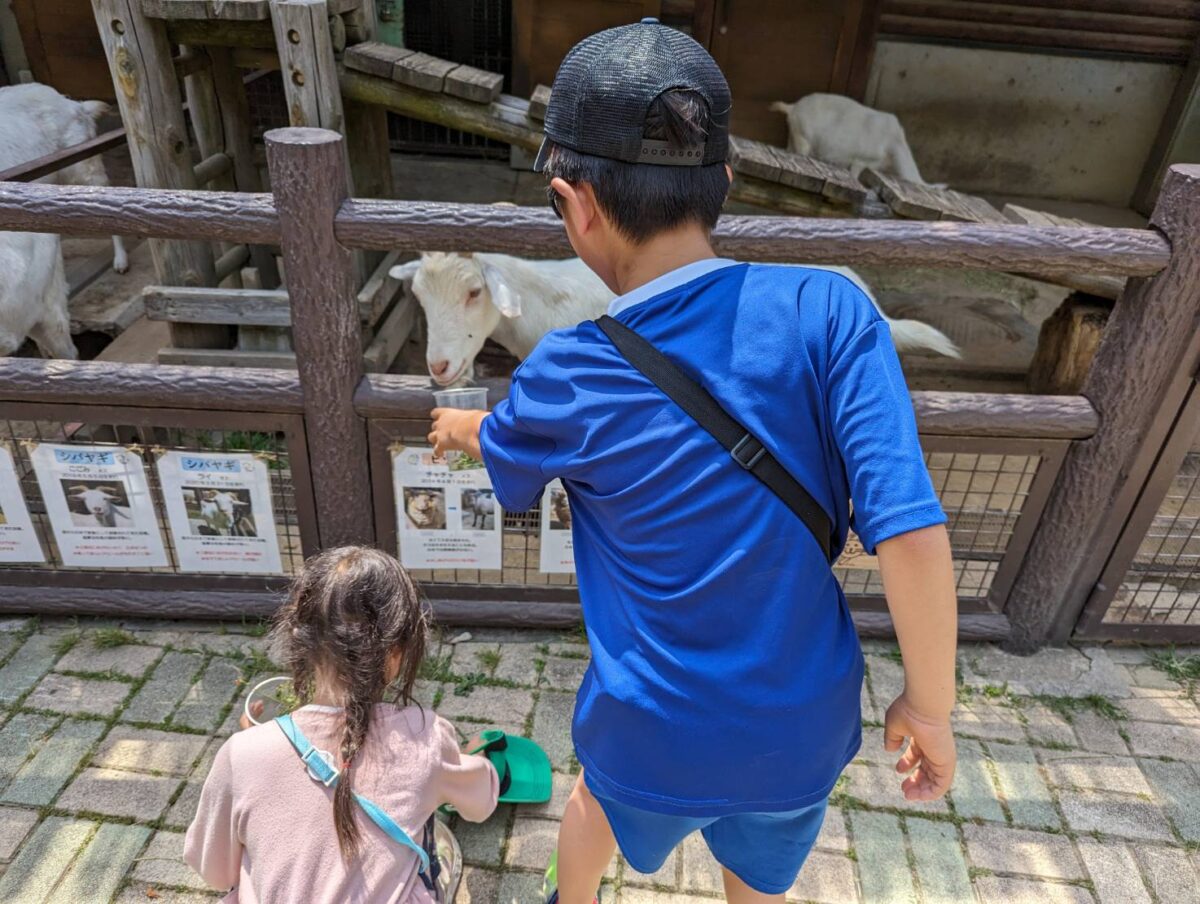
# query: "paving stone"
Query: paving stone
101,868
71,695
552,727
148,750
564,674
140,893
1177,788
700,871
27,665
52,766
867,705
424,692
1114,814
531,843
833,831
998,890
982,720
1077,769
519,888
941,869
183,811
19,738
116,793
1055,672
1180,742
974,793
15,824
1126,655
478,886
1172,708
879,844
130,659
1114,872
223,644
203,705
14,625
560,791
1047,727
481,841
887,681
466,657
1024,789
160,695
1097,733
826,879
879,786
32,875
651,896
501,705
517,663
162,863
1004,850
1170,875
1148,676
8,642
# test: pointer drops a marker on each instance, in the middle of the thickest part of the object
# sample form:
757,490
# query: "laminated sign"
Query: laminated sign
447,515
99,505
558,551
18,541
219,508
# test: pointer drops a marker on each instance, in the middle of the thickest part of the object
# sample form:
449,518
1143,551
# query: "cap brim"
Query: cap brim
529,771
543,155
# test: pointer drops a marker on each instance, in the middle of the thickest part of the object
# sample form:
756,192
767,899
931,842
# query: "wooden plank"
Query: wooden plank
1016,214
474,84
248,307
420,70
226,357
538,102
754,158
228,10
374,58
1067,343
391,335
139,343
221,33
378,291
904,198
308,65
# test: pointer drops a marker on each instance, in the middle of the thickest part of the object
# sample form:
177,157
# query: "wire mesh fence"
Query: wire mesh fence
149,444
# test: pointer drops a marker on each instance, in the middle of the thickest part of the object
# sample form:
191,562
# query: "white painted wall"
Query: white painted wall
1014,123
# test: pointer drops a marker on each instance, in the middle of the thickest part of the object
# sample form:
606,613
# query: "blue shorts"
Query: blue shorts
764,850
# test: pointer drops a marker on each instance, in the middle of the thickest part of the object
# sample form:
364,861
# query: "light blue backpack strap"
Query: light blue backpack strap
328,776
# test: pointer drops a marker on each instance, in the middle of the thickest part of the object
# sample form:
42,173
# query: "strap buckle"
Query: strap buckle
748,451
324,765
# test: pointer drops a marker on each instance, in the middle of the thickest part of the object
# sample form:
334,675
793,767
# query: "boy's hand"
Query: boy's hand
257,709
930,750
455,430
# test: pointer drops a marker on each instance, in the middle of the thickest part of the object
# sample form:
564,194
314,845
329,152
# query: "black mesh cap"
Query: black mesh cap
607,82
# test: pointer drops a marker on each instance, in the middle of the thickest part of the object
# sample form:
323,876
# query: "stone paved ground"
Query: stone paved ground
1079,777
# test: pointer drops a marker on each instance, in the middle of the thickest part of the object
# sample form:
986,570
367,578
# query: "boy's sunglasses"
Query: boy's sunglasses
552,197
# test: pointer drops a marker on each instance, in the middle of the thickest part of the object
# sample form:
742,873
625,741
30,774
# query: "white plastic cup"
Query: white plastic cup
469,398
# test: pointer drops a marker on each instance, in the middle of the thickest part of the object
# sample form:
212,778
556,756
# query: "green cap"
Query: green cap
522,765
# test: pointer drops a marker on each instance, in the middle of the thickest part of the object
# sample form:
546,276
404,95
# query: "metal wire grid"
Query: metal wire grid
983,496
20,436
1162,585
473,32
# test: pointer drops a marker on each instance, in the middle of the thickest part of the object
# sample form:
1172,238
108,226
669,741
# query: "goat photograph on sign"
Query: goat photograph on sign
18,540
557,553
219,510
99,504
447,517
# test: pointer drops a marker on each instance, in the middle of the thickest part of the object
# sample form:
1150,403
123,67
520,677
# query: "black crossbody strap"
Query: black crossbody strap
742,445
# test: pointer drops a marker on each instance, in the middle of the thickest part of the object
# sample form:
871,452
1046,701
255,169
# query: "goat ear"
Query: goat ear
503,297
405,271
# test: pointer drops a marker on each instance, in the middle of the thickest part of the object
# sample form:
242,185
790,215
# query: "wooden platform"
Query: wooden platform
227,10
420,70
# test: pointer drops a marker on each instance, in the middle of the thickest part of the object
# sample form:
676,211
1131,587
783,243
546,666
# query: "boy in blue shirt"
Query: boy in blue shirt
723,692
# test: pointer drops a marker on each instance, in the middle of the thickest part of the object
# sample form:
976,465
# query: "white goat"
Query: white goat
470,297
220,512
844,132
35,120
101,504
479,505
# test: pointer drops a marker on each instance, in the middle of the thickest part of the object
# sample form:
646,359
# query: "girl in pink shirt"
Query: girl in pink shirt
351,627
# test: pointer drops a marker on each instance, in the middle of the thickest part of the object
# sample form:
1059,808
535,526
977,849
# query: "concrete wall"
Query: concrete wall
1014,123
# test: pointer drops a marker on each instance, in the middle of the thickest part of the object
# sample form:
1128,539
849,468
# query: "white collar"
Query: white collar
670,280
319,708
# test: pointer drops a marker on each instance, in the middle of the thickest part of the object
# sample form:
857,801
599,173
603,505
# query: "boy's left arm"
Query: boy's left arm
455,430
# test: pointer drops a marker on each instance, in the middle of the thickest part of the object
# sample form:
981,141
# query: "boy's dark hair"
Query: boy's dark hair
348,610
643,200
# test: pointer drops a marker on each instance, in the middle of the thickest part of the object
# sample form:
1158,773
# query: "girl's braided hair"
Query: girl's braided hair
348,610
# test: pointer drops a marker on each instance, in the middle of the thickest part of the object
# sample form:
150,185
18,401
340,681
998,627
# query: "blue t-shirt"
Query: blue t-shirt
726,671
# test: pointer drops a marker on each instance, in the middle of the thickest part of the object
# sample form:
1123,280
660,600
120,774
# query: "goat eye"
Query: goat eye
473,294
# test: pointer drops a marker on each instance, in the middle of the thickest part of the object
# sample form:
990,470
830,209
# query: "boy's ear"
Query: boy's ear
503,297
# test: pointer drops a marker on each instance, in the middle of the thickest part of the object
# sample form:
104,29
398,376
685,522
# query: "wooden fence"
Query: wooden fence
1042,491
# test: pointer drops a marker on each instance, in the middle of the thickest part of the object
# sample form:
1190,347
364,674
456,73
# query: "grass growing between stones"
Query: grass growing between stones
107,638
1068,706
66,643
1184,669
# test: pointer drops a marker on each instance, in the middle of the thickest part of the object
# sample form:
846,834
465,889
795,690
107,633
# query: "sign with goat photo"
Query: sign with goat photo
18,540
99,505
557,554
447,514
219,509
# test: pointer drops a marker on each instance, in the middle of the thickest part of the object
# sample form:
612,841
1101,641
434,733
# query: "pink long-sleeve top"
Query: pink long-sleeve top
264,829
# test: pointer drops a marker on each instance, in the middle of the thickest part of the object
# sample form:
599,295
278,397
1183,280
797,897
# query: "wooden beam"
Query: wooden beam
1178,138
59,160
391,335
474,84
243,307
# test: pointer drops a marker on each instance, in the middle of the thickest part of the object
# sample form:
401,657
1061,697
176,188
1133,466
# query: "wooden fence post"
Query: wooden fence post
308,180
1138,380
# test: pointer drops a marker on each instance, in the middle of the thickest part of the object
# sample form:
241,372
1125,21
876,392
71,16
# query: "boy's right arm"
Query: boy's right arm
918,581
